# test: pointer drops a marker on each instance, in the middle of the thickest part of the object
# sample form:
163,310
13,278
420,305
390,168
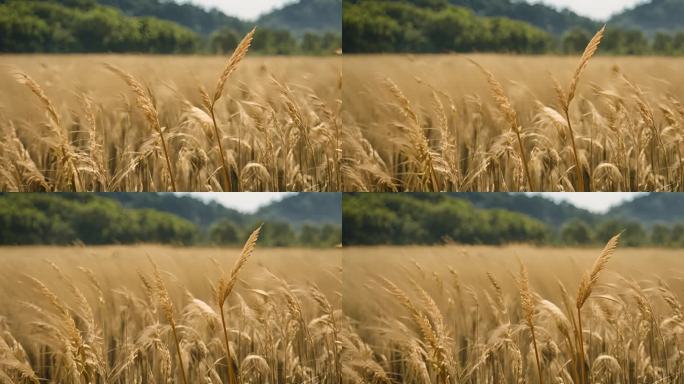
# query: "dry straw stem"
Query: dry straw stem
528,303
586,286
65,151
233,62
167,307
506,108
144,102
225,287
566,98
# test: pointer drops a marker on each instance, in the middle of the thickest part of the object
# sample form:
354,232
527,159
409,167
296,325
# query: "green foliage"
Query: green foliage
145,26
44,26
652,17
436,26
54,219
127,218
306,16
225,232
540,15
495,219
576,232
401,26
186,14
431,219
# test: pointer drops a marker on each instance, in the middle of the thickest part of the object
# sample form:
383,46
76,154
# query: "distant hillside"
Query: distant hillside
542,16
538,207
188,15
652,208
296,210
653,16
196,211
306,16
302,208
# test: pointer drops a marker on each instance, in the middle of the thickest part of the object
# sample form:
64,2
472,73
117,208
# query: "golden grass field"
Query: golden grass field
121,122
431,123
443,314
98,315
456,314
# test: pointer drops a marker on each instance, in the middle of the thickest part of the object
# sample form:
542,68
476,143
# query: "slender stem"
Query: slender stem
168,160
581,345
178,351
578,171
229,361
536,354
524,160
218,140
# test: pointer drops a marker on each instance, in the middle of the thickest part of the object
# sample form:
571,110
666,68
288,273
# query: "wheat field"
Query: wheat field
455,314
110,315
169,123
485,122
441,314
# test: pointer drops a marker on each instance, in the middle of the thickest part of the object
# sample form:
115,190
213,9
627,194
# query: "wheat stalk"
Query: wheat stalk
566,98
146,105
586,286
225,287
233,62
509,113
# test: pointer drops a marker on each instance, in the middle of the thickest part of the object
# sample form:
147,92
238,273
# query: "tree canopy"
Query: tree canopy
147,26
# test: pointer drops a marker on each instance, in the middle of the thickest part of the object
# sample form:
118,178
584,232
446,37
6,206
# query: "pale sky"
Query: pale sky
244,9
595,9
597,202
241,201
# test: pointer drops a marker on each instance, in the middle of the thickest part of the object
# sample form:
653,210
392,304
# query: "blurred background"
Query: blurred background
284,27
289,219
563,219
634,27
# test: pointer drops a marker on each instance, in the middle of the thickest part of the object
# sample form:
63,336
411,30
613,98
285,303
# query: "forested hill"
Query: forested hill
652,208
311,208
538,207
542,16
653,16
297,17
130,218
296,210
184,206
655,219
306,16
186,14
163,27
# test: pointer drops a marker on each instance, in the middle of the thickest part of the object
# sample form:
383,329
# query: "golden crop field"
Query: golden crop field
465,314
165,123
110,315
443,314
485,122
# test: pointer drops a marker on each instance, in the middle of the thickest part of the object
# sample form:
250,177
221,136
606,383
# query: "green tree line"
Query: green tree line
399,219
436,26
67,219
388,218
82,26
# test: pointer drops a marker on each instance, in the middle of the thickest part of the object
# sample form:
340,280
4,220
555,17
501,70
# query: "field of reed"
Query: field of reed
484,122
170,123
154,314
518,314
